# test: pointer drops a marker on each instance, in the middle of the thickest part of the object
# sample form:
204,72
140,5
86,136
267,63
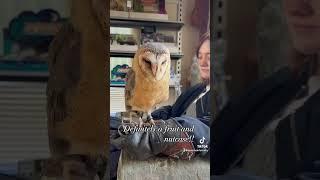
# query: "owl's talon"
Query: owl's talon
151,121
140,122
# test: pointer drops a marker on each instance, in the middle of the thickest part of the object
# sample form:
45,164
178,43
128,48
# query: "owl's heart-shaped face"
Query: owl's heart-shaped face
154,65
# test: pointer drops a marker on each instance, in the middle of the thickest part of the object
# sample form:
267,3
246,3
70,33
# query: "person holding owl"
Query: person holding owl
272,131
190,111
195,101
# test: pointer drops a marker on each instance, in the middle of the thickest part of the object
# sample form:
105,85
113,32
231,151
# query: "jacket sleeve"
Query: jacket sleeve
164,113
181,104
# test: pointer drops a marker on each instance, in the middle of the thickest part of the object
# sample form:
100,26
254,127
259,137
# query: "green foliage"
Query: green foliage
137,6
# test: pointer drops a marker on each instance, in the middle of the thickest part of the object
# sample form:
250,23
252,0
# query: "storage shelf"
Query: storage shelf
123,85
124,22
24,76
131,54
29,71
117,85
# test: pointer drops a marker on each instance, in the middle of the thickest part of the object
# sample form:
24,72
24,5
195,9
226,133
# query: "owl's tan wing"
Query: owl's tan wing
100,10
129,89
64,69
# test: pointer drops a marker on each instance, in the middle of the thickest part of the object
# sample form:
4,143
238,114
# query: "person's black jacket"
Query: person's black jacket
243,118
203,105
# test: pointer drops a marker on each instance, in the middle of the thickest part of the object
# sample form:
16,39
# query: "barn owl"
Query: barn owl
148,81
76,85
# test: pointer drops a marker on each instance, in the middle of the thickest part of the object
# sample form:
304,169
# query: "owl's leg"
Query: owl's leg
140,122
150,119
130,116
139,116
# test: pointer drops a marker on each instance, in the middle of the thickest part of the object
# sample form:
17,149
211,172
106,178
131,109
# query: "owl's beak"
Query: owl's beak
154,68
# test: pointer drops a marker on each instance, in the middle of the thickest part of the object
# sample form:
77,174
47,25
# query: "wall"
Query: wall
190,37
11,8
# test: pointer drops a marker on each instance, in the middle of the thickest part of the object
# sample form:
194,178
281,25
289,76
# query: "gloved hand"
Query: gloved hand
163,113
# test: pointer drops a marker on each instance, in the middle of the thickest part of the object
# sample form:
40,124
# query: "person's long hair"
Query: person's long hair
298,61
203,38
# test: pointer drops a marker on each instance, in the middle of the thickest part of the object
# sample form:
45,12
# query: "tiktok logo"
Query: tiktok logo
202,140
202,146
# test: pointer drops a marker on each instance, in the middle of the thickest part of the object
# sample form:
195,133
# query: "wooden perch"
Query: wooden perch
158,168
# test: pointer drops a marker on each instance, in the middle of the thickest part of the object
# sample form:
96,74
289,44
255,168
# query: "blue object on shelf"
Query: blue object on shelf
24,66
32,30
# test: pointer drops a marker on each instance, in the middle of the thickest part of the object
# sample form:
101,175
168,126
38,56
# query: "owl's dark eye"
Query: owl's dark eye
164,62
147,62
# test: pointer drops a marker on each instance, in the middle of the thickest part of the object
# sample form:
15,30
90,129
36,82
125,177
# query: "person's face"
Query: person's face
204,60
303,18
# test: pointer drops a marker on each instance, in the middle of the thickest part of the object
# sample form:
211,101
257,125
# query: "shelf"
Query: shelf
117,85
125,22
123,85
23,76
139,15
131,54
29,71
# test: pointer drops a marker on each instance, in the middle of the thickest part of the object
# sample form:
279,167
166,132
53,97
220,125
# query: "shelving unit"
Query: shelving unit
123,85
219,49
131,54
130,20
219,28
23,77
23,81
23,71
122,22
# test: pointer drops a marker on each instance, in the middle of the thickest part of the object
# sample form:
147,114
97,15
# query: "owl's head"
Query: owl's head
154,60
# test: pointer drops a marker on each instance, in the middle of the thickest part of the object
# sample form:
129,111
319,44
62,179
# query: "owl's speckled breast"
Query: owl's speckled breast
146,92
149,94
